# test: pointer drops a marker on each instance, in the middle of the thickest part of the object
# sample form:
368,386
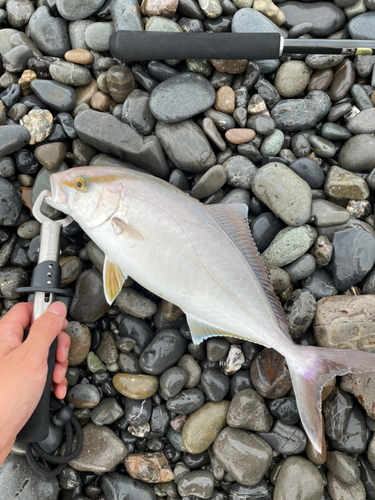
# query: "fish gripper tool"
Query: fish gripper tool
46,287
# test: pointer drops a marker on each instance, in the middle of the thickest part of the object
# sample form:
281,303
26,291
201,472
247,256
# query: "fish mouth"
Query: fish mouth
59,195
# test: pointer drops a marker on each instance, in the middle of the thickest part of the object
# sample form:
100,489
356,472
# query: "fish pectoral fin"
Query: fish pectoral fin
201,331
113,279
122,229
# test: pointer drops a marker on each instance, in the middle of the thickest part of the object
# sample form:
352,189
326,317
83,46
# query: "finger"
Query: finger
63,344
59,372
60,389
44,331
13,325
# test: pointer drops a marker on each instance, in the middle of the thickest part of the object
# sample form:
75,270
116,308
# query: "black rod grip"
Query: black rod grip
36,428
130,46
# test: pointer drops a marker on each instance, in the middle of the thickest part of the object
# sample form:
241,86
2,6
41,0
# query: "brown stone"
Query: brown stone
270,10
71,268
169,311
149,467
50,155
341,183
164,8
84,94
328,388
239,135
231,66
209,128
320,80
100,101
362,386
270,375
26,197
24,82
107,351
79,56
343,79
26,180
120,82
317,458
3,113
346,322
80,342
225,100
39,123
279,279
322,250
177,423
135,386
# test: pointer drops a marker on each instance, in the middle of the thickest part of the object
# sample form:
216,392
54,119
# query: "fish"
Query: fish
201,258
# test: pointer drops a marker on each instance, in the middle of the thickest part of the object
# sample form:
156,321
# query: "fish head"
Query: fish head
91,195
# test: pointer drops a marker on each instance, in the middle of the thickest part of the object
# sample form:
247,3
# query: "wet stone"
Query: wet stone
285,409
107,350
285,439
17,479
217,349
138,412
131,302
198,483
361,385
107,412
135,386
10,204
343,467
336,412
215,384
244,455
338,489
102,450
56,95
116,486
187,401
270,375
264,228
298,479
89,303
148,467
248,411
84,396
354,436
164,351
353,256
80,341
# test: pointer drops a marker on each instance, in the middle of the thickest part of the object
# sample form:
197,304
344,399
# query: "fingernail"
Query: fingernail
57,308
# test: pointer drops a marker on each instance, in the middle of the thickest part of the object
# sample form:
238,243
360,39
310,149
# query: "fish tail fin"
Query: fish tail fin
311,368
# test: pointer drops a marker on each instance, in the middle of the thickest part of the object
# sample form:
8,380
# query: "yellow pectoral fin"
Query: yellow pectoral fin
113,279
201,331
122,229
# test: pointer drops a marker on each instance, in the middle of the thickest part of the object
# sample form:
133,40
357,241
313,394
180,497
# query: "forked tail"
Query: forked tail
310,369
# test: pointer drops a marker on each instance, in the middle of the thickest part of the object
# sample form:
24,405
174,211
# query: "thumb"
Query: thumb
45,329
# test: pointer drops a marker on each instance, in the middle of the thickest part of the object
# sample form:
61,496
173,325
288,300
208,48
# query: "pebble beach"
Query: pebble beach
294,140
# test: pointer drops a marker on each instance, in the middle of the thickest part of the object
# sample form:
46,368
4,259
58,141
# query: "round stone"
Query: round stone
70,10
83,396
80,341
298,479
181,97
120,82
248,411
292,78
135,386
50,155
97,36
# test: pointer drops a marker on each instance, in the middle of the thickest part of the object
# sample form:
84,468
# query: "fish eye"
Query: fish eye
81,183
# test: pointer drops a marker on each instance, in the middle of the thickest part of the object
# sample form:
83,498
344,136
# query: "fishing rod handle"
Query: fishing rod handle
48,274
130,46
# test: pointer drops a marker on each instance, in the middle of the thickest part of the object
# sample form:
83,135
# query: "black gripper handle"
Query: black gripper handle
150,45
36,428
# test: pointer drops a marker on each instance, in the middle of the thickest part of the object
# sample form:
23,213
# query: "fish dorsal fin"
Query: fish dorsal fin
201,331
232,218
113,279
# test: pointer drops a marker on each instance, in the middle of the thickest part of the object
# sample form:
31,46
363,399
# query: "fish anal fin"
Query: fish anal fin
232,218
121,228
201,331
113,279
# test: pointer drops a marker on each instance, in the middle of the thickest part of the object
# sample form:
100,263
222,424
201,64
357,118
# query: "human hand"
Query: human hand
23,365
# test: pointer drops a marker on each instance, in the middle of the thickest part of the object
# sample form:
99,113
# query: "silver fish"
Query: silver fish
201,258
